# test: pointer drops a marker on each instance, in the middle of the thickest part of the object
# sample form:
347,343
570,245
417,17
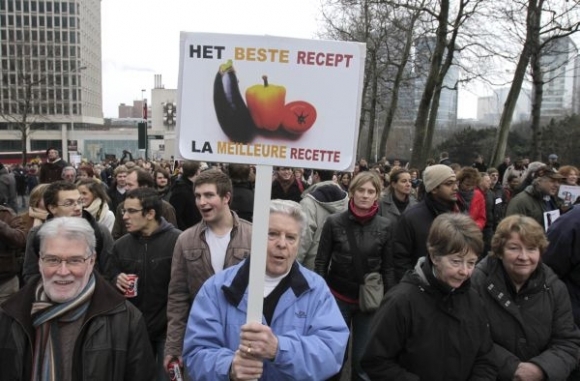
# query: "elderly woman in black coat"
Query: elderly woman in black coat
432,326
528,306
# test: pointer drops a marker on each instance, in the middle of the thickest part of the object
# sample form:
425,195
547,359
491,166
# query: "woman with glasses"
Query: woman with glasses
63,199
96,201
432,326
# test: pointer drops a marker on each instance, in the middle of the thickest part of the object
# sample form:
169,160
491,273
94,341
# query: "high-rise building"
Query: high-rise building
490,107
447,112
558,62
50,55
576,93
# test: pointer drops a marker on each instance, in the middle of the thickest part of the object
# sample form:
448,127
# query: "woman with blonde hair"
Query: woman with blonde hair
37,212
353,244
95,201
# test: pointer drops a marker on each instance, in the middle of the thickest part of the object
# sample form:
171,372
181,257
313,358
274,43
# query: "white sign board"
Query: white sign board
569,193
269,100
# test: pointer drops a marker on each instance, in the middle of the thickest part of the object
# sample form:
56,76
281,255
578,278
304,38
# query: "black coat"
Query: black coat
411,232
533,325
112,345
243,200
334,259
293,193
116,197
563,255
183,200
150,259
423,332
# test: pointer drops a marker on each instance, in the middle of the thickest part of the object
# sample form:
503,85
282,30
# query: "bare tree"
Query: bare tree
387,29
350,20
562,20
448,31
404,21
24,87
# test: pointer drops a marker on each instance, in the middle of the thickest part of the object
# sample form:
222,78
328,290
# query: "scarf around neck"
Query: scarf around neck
363,217
45,318
38,214
98,209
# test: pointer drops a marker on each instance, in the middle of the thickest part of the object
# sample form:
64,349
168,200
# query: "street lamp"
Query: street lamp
142,128
143,107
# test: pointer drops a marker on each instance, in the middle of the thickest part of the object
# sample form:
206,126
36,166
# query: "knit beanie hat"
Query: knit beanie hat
435,175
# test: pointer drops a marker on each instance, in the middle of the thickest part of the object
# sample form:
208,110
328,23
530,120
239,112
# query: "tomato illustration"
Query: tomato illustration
298,117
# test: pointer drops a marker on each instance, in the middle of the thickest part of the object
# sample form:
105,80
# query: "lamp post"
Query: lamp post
142,138
143,108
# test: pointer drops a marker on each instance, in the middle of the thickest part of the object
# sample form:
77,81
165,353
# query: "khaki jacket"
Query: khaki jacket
191,267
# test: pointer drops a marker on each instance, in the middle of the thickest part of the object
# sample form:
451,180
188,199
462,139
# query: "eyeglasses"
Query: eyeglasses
53,261
130,211
71,203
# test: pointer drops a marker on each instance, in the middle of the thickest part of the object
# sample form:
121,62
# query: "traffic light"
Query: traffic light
142,135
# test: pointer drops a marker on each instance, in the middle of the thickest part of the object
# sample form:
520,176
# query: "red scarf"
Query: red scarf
363,217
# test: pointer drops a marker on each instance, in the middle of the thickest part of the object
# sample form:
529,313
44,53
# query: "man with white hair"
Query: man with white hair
410,238
302,336
69,323
69,174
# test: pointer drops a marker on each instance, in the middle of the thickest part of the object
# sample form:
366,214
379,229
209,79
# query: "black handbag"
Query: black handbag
371,288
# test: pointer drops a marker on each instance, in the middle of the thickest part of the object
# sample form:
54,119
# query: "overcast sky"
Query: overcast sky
141,38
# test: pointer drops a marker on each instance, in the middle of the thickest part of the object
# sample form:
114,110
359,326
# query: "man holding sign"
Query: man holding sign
302,337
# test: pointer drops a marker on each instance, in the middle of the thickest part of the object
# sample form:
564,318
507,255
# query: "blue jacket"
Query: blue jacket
312,335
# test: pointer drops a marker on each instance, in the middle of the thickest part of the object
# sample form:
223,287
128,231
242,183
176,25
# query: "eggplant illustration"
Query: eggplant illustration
231,110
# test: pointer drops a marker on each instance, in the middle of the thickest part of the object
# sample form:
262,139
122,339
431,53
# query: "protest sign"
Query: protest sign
268,101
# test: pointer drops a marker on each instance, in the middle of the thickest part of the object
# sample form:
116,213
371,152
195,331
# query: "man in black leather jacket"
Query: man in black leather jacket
80,328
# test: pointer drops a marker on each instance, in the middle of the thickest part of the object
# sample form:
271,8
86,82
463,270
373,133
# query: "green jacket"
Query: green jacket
531,203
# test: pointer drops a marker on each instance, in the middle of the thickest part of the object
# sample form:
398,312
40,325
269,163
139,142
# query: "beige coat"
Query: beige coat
190,268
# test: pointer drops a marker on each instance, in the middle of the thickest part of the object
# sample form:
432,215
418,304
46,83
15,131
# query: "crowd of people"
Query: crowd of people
131,269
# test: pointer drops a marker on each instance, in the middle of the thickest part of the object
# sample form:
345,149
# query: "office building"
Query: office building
50,55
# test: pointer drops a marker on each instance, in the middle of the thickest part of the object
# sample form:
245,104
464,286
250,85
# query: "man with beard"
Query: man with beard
62,199
539,197
285,186
51,170
410,238
219,241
